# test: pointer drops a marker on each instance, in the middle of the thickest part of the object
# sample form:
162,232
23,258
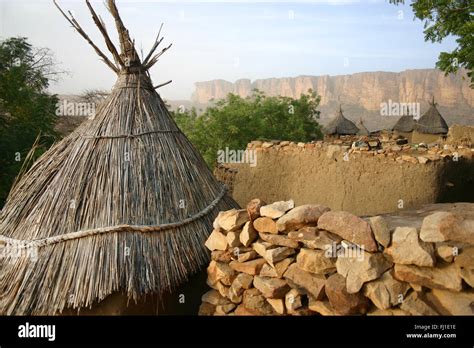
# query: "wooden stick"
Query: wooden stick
155,45
126,45
163,84
155,58
100,24
78,28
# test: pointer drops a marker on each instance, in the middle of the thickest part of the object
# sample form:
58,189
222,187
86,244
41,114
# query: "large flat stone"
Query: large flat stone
341,301
220,271
213,297
277,254
242,282
278,305
321,307
278,269
359,268
256,303
307,283
271,287
268,271
247,256
453,303
443,226
216,241
277,209
349,227
221,256
231,220
233,239
444,277
248,234
301,216
250,267
380,230
265,224
313,238
386,291
407,249
315,261
261,247
416,304
278,239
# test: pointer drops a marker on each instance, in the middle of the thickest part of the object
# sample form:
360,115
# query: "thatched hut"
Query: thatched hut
340,126
119,209
405,126
430,127
362,128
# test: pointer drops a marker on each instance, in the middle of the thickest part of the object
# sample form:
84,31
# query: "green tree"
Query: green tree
235,121
26,110
444,18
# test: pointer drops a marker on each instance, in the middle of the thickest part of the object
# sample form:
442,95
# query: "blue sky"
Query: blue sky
232,40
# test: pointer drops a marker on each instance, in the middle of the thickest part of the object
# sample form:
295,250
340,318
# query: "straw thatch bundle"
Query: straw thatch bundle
340,126
124,203
405,124
432,122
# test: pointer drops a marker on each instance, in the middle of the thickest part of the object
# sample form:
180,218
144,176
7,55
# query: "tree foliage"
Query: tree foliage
26,110
235,121
444,18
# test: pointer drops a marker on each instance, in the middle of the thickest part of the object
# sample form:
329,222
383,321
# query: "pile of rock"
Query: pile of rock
279,259
389,150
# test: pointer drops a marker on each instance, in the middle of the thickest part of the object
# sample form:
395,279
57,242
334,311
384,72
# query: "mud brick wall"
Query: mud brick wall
362,180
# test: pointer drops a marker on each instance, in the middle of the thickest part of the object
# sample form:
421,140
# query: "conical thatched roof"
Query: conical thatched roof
340,126
362,128
405,124
432,122
124,203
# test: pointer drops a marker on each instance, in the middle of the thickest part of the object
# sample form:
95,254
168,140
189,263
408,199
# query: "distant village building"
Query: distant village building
405,127
340,126
362,128
430,127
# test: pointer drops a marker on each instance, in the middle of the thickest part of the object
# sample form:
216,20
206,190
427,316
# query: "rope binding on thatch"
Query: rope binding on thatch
37,243
130,135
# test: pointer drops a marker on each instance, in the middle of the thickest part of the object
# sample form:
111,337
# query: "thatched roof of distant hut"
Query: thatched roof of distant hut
432,122
405,124
123,204
340,126
362,128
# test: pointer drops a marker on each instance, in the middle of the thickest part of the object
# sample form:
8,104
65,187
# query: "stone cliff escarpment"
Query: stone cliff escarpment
362,93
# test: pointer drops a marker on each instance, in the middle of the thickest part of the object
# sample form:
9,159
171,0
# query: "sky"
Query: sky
229,39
